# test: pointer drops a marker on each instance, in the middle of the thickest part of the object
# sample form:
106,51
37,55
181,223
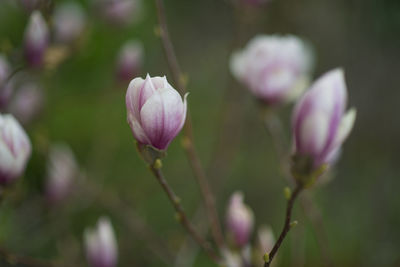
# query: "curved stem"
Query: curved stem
189,147
183,219
286,226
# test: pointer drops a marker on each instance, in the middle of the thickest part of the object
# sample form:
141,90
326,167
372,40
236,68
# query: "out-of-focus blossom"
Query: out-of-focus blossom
129,60
30,5
36,39
27,102
6,87
239,220
275,69
119,12
320,124
69,22
15,149
62,170
101,245
156,111
266,238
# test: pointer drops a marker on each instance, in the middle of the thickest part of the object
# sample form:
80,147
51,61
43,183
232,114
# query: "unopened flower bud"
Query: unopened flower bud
129,61
101,245
275,68
36,39
15,149
62,170
239,220
27,102
321,124
119,12
156,111
69,22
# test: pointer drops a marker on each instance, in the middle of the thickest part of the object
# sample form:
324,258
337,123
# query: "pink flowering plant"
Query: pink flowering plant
69,172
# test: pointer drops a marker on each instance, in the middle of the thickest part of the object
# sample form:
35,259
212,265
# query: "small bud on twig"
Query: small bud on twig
266,257
157,164
287,192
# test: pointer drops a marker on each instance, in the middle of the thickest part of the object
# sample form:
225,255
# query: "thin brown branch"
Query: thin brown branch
24,260
183,219
274,127
189,147
287,224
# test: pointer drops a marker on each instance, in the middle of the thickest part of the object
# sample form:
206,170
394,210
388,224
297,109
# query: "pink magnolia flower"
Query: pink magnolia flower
36,39
239,220
15,149
274,68
156,111
62,170
101,245
129,60
27,102
69,22
320,124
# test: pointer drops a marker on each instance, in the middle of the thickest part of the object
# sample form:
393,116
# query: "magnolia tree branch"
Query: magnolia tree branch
189,147
287,225
274,127
182,218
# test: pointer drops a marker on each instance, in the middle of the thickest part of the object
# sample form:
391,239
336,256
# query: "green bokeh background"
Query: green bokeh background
85,109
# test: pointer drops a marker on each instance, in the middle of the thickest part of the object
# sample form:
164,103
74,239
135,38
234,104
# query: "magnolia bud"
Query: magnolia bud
36,39
15,149
129,60
319,122
69,22
156,111
101,245
62,170
119,12
27,102
5,84
274,68
239,220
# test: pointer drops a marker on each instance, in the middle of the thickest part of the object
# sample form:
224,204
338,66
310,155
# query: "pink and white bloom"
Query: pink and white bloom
320,122
69,22
62,170
239,220
101,245
275,68
27,102
15,149
156,111
119,12
36,39
129,61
